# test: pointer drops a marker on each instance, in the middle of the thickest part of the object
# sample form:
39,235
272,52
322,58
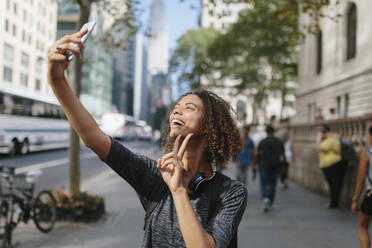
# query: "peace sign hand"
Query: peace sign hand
171,166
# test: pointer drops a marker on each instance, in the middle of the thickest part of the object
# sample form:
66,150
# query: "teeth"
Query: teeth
178,122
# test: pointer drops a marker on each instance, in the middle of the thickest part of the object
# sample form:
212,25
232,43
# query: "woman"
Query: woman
201,133
330,161
365,215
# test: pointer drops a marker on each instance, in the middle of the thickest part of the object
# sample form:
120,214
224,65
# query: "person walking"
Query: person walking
364,178
244,159
198,207
330,161
269,156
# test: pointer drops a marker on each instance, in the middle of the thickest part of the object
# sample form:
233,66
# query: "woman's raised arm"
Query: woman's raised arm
79,118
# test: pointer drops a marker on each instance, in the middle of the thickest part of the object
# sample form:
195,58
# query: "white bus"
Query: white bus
28,124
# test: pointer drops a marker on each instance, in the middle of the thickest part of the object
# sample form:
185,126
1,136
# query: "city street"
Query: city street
299,218
296,72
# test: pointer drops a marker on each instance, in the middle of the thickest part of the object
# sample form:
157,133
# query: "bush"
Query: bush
81,207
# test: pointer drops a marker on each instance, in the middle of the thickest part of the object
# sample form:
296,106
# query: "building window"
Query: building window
66,26
15,8
346,107
25,60
211,12
6,25
319,52
24,15
8,4
38,65
23,36
14,30
38,84
7,74
24,79
338,105
226,12
38,72
309,112
351,32
8,54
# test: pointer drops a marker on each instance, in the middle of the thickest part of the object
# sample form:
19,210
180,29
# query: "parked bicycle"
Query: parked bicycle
18,203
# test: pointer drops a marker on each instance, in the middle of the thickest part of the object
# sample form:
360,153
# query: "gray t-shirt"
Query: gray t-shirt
162,228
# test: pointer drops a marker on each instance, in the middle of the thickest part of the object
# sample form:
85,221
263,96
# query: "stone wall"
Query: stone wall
304,169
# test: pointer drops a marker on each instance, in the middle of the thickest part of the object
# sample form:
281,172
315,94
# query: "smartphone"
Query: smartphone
90,26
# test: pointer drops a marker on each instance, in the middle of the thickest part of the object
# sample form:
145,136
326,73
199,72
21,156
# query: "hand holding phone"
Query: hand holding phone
90,26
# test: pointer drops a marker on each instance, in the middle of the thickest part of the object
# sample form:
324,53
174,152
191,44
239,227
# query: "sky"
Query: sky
179,17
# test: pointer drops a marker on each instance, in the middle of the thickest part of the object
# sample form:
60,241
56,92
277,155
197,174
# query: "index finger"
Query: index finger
80,33
184,145
176,144
75,38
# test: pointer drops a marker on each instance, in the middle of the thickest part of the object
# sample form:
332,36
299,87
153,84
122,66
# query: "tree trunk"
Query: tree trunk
254,113
75,79
283,94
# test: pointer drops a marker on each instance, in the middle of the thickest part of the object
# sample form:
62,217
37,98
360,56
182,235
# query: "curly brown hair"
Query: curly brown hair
218,130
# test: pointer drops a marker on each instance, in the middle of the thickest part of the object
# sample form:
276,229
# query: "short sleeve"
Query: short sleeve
138,170
228,215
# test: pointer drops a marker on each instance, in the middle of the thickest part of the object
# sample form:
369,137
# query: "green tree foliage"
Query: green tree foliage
188,60
259,51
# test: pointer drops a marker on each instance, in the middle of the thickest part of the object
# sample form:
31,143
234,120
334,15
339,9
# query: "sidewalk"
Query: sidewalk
297,220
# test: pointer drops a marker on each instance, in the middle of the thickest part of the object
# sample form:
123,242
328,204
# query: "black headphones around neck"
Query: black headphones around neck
198,182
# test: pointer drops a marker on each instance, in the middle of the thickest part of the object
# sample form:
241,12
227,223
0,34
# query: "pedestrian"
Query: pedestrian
158,121
269,156
332,114
330,161
244,159
288,151
319,115
201,134
364,178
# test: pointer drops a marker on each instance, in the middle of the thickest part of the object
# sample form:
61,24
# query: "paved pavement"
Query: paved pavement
298,219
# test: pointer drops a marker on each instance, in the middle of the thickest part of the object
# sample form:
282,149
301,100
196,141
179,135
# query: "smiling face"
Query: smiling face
187,116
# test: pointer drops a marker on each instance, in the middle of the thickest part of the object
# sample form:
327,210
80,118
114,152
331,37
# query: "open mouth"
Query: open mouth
177,123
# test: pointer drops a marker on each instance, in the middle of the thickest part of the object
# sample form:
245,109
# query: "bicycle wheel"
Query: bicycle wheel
44,211
3,216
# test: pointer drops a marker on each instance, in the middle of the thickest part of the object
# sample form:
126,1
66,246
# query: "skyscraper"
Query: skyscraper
157,61
97,70
157,57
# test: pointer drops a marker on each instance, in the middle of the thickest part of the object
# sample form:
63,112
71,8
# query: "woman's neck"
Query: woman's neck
194,160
